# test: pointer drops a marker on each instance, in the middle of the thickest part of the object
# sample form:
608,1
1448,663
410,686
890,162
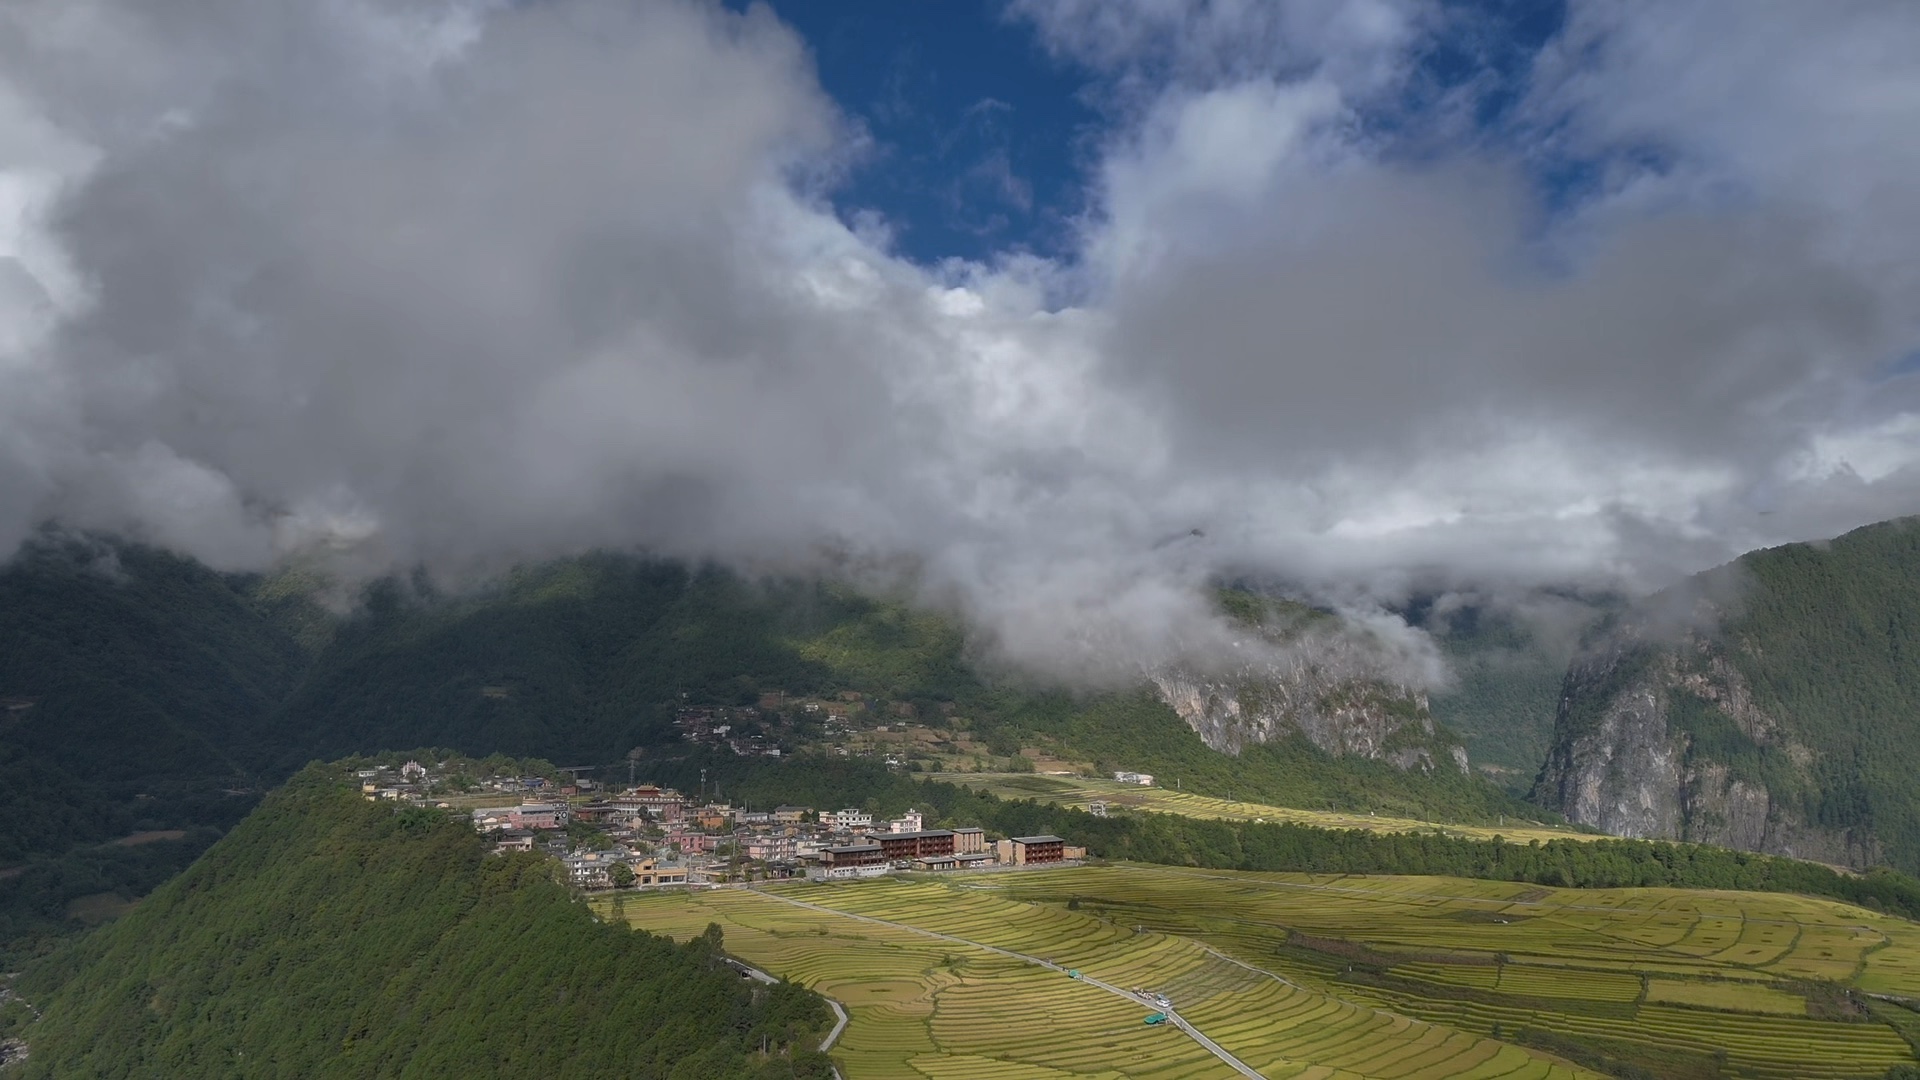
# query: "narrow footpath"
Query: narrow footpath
1143,1000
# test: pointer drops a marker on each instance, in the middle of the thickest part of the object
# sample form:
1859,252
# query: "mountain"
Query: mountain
135,693
1770,705
1507,664
1317,679
326,936
146,701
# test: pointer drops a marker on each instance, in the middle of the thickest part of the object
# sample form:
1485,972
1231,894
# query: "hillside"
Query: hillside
147,698
1771,705
134,689
329,937
1506,680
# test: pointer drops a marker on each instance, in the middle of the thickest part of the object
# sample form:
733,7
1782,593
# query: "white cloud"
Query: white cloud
464,283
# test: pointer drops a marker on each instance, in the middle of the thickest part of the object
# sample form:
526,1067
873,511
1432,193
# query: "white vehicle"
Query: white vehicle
1161,1000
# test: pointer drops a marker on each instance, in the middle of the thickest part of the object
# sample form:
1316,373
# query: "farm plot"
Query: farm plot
1277,1028
1084,791
1727,996
923,1007
938,1008
1642,974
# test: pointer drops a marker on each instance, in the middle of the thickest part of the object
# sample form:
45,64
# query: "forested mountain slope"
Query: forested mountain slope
584,660
326,936
1507,671
145,695
135,690
1771,705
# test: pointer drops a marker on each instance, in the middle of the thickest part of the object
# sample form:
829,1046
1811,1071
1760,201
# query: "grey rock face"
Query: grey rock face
1324,689
1621,764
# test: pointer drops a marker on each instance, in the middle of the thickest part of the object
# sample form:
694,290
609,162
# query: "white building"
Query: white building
907,822
850,819
1141,778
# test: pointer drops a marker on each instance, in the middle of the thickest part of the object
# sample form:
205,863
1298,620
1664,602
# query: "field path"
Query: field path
1198,1036
840,1014
840,1025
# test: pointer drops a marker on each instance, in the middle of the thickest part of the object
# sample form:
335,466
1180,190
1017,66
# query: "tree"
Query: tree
621,875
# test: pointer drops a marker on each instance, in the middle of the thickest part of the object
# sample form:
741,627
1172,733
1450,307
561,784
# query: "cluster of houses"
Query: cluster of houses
650,836
740,729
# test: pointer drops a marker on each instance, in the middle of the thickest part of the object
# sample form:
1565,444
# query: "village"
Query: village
642,836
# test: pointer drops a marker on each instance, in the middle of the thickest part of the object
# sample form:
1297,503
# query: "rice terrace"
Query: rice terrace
1053,975
1083,792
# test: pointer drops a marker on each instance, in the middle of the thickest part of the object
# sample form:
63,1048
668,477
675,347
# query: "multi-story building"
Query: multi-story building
969,841
852,856
1033,850
848,820
914,845
654,872
770,848
590,869
911,821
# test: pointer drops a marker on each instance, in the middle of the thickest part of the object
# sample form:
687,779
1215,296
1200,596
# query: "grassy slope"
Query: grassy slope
326,936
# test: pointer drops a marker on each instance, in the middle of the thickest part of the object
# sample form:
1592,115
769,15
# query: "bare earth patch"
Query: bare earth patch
150,836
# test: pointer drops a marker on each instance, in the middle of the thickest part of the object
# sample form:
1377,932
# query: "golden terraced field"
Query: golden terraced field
1690,982
929,1007
1084,791
1332,978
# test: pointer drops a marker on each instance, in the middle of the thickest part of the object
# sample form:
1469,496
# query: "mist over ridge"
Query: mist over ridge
462,284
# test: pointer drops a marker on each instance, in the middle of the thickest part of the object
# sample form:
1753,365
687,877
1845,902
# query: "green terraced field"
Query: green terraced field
1729,996
1680,982
1084,791
941,1008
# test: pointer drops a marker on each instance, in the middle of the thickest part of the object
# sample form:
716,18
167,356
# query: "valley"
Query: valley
1083,792
1326,975
1314,905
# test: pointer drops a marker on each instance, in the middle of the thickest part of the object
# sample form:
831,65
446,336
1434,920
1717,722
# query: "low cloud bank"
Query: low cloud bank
459,284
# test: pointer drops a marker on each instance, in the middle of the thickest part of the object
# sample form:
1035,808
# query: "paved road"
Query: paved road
1209,1045
839,1026
840,1014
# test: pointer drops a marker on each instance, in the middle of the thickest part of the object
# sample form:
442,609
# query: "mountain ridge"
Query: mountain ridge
1770,705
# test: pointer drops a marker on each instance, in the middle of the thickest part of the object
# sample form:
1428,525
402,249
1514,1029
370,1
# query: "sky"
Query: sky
1053,311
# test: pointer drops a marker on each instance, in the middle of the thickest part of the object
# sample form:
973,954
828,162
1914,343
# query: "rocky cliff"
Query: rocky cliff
1320,680
1658,735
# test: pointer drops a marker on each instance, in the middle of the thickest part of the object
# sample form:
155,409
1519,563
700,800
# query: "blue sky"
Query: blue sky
980,140
983,142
